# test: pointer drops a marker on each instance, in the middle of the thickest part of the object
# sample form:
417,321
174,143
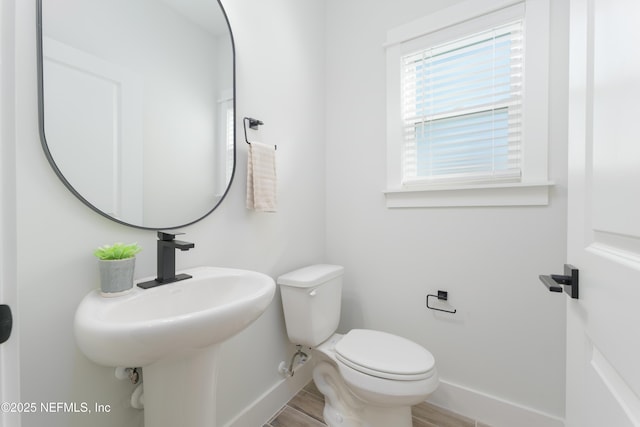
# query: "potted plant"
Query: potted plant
117,263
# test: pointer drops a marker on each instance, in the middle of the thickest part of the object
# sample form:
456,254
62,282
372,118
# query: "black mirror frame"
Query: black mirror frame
54,166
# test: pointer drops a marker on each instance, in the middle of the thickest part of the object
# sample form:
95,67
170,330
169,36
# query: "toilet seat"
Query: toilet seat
384,355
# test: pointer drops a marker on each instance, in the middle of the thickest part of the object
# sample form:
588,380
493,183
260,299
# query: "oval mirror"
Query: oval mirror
137,106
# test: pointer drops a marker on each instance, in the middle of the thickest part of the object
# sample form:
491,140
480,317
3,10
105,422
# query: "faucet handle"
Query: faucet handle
167,236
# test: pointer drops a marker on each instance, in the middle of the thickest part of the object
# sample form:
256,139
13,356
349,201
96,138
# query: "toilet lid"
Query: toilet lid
384,355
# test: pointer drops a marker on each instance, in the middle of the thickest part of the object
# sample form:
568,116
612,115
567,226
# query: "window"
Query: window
461,109
226,128
457,105
230,139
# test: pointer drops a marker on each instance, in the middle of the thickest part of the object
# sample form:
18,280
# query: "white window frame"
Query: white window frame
449,24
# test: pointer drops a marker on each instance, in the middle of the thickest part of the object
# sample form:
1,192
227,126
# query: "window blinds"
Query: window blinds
462,109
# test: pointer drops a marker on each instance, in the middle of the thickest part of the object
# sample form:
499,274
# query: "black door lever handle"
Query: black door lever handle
550,283
568,280
6,322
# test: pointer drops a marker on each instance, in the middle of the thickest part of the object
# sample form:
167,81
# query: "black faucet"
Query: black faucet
167,246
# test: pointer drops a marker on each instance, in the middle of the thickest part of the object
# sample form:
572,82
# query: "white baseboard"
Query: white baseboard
470,403
489,409
266,406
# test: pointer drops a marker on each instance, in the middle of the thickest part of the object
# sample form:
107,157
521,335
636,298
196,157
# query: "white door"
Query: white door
9,360
93,111
603,325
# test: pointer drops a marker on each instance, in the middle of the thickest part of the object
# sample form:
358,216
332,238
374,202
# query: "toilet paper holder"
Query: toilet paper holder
442,296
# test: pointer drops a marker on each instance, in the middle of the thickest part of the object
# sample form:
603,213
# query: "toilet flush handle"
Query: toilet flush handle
313,293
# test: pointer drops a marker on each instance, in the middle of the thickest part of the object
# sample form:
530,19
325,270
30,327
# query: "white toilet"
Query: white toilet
369,378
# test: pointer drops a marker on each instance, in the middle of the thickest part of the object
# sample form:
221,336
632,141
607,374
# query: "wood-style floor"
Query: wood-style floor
305,410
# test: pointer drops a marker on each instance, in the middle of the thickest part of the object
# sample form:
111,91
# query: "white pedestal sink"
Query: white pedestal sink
173,332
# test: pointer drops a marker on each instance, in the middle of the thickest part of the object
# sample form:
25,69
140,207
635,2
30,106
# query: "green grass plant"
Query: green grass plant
117,251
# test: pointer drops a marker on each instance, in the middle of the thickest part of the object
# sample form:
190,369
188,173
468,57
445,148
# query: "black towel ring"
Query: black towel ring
253,124
442,296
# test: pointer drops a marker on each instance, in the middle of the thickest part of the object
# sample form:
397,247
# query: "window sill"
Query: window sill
512,194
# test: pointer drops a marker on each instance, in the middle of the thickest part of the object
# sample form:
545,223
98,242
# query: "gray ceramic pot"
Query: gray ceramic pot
116,276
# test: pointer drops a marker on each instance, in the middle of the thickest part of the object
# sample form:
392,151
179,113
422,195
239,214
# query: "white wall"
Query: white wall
507,339
280,80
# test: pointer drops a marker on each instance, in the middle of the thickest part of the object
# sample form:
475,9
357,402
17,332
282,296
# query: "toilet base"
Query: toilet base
343,409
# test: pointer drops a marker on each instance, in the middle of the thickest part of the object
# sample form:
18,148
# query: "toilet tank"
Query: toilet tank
311,298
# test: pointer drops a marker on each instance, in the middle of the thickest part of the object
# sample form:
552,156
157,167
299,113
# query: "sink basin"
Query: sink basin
145,326
173,332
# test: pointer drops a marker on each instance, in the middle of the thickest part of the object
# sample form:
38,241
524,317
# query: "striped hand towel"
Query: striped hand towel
261,178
